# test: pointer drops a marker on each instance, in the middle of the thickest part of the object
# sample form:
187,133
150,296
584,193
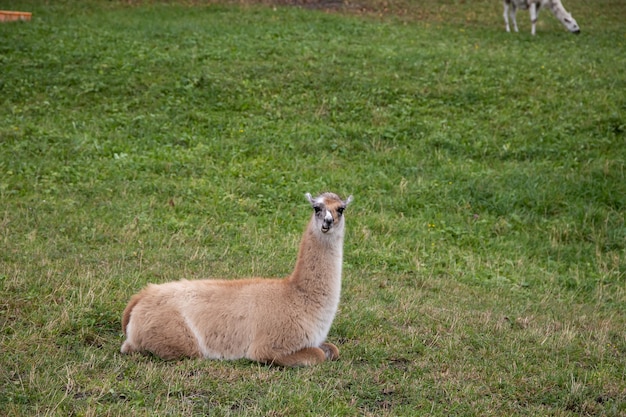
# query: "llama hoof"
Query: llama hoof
330,351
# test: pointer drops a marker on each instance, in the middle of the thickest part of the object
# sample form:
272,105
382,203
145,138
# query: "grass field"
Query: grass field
485,255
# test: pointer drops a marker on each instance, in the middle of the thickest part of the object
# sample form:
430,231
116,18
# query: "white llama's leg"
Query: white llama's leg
506,16
514,17
534,14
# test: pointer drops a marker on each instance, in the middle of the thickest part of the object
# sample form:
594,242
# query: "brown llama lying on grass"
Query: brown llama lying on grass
274,321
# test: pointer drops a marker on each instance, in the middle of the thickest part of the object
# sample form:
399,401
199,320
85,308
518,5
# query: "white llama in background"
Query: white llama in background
274,321
534,5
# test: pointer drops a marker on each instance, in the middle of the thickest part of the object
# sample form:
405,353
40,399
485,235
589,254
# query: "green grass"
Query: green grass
485,260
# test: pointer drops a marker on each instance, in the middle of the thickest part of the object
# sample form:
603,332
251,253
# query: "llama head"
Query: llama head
571,24
329,209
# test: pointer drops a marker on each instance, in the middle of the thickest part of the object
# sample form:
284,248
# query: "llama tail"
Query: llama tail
129,308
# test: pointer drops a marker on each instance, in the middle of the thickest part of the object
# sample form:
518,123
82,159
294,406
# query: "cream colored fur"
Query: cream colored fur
278,321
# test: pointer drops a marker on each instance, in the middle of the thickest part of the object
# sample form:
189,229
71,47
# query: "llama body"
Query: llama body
280,321
511,6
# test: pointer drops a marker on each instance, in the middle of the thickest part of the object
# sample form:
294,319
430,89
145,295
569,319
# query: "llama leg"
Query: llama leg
506,16
168,349
533,17
168,339
330,350
303,357
308,356
514,17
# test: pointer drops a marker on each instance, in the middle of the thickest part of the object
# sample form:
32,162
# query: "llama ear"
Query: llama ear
309,197
348,200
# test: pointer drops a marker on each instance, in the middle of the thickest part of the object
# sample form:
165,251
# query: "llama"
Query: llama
534,5
273,321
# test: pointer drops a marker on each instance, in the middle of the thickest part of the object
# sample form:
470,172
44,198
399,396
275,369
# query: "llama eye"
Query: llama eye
317,209
340,210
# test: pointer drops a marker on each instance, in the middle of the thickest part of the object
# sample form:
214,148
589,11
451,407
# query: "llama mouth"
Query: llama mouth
325,229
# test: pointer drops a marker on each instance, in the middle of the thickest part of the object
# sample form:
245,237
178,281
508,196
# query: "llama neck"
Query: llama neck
318,269
558,10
